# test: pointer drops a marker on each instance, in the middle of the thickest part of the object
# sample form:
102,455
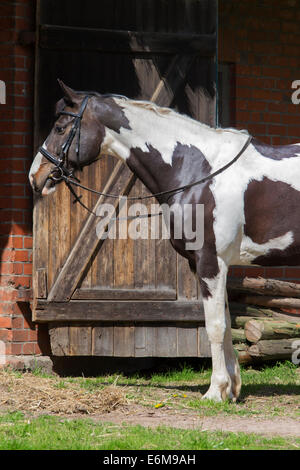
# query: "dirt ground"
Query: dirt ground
268,412
190,420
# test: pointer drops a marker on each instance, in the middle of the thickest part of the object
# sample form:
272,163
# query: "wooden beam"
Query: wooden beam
124,294
122,311
105,40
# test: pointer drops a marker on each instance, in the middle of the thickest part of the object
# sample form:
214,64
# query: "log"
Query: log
263,286
241,350
240,321
237,309
269,350
256,330
273,302
238,335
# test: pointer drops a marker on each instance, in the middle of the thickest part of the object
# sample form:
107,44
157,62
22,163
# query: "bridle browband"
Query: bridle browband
66,175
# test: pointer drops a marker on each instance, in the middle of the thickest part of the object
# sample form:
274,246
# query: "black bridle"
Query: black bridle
61,162
65,174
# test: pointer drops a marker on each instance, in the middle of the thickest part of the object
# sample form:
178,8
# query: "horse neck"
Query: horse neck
165,149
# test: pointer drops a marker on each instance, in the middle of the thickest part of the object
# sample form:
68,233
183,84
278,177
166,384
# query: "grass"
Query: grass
271,390
268,391
50,432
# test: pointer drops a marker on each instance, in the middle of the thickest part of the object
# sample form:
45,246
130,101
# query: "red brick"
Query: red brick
27,242
21,281
29,348
294,131
272,117
6,335
16,349
293,273
32,335
16,242
276,273
288,119
21,255
20,335
276,130
17,322
258,106
257,129
17,268
28,269
254,271
5,322
238,271
6,268
37,349
269,95
7,255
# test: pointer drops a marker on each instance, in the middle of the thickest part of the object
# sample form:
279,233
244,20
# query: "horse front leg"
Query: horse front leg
217,329
231,359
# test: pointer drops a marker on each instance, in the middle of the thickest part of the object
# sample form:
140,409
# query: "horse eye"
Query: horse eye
59,129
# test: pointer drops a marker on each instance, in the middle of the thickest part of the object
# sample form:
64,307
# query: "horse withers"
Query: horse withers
249,191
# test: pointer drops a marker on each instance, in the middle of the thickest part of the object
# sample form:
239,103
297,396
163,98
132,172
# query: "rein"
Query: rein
66,175
170,191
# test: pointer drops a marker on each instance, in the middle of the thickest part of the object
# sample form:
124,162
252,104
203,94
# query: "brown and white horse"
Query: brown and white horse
251,210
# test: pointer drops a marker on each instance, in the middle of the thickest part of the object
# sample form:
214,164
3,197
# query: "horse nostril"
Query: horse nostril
33,184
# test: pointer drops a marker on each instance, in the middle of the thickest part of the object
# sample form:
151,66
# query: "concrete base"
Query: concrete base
29,363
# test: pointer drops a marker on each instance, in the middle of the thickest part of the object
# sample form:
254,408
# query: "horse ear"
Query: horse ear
69,94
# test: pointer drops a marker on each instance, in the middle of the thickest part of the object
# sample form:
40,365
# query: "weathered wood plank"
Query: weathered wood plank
59,339
165,341
123,341
129,340
103,341
142,346
187,341
120,182
102,265
186,280
159,311
80,338
72,38
41,284
203,343
124,294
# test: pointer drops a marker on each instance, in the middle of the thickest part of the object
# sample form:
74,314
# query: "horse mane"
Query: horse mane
162,111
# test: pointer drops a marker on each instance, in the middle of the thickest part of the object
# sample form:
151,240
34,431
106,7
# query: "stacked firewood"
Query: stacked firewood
265,318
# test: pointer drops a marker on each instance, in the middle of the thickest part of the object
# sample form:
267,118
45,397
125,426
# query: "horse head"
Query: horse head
74,141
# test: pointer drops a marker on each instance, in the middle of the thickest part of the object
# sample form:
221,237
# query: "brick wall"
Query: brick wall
16,149
261,37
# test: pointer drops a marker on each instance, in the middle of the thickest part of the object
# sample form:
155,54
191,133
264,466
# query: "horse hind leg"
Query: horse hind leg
223,380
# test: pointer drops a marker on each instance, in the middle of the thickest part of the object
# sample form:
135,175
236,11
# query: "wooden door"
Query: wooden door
119,297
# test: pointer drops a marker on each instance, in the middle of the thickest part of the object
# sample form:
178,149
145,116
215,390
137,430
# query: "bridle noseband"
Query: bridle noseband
61,162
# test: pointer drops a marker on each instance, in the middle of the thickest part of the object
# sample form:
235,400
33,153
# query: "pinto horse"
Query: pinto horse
251,207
